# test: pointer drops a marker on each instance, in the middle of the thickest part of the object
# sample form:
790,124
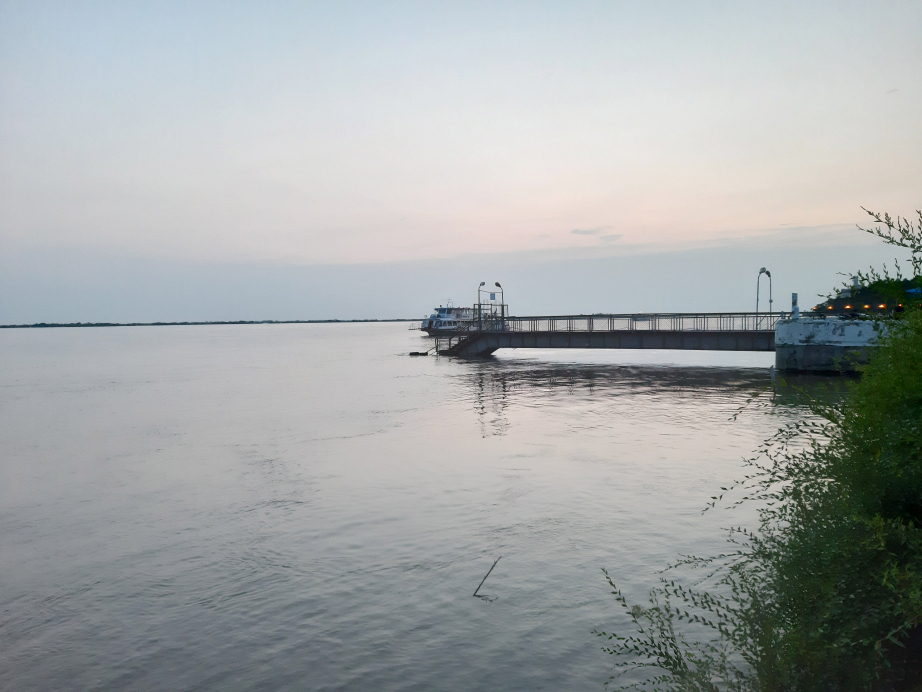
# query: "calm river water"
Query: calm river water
294,507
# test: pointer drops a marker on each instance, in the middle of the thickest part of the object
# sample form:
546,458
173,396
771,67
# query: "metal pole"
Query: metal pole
758,281
502,305
480,307
769,293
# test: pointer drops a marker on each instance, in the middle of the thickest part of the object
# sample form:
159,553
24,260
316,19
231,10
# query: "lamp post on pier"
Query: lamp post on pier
502,303
767,273
480,305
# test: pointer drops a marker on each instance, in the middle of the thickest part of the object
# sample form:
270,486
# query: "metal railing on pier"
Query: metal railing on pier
652,322
672,322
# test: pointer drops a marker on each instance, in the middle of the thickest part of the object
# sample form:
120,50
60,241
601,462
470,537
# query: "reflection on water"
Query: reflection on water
298,507
796,390
495,385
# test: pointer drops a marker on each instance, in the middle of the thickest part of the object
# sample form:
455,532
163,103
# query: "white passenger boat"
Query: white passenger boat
446,321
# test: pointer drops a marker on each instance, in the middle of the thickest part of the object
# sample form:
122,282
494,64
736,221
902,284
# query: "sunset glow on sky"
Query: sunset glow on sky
345,132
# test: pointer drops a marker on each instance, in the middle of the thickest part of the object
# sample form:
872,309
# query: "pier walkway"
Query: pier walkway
709,331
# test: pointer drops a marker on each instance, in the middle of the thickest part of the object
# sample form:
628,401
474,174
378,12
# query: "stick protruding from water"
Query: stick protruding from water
487,575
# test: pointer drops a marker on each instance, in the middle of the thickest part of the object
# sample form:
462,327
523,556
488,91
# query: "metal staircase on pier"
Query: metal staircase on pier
454,345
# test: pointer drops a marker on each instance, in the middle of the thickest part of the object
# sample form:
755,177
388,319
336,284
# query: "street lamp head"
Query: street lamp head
483,283
768,274
762,271
497,284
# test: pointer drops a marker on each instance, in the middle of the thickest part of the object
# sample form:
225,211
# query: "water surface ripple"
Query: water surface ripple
290,507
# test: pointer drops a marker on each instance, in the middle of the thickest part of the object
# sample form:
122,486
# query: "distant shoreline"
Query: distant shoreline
45,325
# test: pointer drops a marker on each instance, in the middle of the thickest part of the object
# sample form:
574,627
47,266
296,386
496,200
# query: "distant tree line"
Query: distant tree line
179,324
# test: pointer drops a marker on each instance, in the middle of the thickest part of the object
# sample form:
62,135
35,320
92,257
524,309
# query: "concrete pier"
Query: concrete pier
824,345
484,344
803,344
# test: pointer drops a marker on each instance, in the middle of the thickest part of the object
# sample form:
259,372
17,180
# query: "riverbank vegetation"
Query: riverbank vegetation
826,594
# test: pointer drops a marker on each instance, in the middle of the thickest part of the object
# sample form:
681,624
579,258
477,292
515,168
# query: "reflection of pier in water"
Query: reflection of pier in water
495,387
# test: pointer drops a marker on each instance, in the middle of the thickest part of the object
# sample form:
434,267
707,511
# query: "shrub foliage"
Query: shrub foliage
827,593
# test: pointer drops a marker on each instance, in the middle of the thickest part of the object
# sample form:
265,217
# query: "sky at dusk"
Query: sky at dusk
298,135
